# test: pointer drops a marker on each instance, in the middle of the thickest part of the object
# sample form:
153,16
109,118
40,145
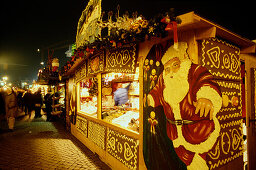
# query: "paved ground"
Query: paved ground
37,144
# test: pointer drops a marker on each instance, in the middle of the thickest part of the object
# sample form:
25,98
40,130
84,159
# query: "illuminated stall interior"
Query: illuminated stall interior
124,113
88,95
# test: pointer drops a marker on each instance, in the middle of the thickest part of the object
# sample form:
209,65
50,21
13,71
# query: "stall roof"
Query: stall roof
209,29
203,29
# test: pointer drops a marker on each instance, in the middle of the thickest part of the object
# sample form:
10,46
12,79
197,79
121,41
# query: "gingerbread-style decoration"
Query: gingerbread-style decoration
96,63
81,125
123,148
229,145
223,62
96,133
122,60
221,58
80,73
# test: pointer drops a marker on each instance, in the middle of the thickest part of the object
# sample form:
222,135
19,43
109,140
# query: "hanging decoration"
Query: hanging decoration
118,31
172,22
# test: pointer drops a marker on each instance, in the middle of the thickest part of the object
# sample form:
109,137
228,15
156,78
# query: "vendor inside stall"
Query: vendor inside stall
121,94
120,99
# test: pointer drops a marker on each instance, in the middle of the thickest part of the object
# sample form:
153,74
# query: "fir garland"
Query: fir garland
139,31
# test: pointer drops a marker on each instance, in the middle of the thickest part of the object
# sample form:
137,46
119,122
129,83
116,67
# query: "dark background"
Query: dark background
28,25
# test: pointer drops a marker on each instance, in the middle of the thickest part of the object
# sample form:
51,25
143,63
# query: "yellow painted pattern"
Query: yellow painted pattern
123,148
232,123
229,116
225,161
226,76
229,85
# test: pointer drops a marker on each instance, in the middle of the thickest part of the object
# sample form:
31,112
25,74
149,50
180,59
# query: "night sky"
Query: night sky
28,25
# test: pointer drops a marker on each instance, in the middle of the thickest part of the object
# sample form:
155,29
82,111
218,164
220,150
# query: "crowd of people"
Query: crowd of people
13,102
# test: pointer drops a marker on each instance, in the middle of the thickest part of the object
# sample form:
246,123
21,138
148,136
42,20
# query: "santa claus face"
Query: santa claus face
175,77
172,66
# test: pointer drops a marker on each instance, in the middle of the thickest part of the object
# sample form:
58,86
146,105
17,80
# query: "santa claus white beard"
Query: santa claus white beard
176,84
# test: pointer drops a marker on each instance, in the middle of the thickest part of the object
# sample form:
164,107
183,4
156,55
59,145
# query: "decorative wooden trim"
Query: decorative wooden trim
112,126
123,148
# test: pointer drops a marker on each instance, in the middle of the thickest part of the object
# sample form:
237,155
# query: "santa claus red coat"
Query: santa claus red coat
198,136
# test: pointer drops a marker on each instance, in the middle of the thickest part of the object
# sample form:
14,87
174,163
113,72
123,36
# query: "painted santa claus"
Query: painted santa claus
191,99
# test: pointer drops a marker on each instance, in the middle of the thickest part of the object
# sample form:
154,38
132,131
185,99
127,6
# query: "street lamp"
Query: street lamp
1,83
5,78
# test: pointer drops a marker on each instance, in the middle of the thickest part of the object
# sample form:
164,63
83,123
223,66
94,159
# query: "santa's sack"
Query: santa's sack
11,121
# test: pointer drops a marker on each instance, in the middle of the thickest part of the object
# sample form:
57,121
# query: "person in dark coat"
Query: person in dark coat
28,102
19,99
2,103
48,105
38,102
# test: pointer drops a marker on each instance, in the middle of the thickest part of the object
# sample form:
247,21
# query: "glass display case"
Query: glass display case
88,95
120,99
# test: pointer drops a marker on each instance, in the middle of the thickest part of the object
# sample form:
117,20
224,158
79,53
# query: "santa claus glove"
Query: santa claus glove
206,92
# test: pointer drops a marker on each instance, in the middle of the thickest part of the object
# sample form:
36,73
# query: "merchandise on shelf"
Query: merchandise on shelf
88,91
120,99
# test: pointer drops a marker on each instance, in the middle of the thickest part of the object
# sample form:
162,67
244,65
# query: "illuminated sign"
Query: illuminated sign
88,28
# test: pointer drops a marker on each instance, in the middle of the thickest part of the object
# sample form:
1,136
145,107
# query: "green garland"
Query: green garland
140,31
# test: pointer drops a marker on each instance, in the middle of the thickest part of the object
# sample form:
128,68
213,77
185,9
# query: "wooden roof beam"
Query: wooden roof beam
206,29
204,33
249,50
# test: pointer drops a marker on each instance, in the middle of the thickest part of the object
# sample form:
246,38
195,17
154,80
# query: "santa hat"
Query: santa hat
180,52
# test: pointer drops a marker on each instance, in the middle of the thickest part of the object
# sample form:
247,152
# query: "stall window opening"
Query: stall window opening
88,91
120,99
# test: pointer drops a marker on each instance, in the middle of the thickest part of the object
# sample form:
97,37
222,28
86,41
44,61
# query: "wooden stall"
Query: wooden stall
52,83
182,107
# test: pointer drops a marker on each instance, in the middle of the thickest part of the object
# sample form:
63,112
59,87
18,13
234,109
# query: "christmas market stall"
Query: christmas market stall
53,89
164,93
